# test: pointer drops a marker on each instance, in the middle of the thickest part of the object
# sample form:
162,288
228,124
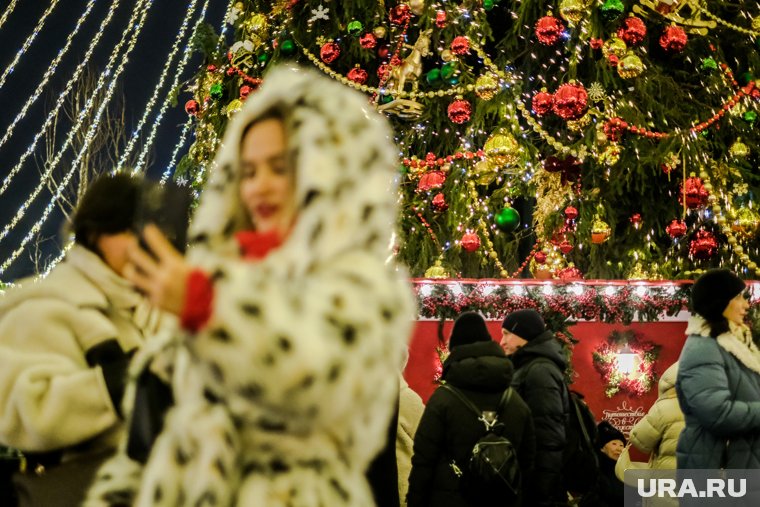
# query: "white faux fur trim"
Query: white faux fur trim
731,341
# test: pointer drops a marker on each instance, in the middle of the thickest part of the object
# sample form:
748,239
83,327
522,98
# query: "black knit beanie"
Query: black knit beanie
606,432
470,327
527,324
712,292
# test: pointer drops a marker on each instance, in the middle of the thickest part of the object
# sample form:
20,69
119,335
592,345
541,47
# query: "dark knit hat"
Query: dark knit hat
606,432
712,292
470,327
527,324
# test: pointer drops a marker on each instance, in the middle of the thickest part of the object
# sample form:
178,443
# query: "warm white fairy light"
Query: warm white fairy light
50,71
52,115
144,6
7,12
167,67
28,42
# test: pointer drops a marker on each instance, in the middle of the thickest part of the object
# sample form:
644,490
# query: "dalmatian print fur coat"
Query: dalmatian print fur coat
286,394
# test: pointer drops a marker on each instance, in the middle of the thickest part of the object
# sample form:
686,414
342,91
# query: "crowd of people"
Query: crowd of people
264,367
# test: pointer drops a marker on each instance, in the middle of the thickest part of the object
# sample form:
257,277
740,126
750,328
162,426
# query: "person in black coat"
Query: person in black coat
539,366
609,491
449,429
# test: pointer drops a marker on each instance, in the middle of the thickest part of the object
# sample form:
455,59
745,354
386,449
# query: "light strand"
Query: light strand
7,12
141,5
700,8
149,107
61,98
28,42
48,74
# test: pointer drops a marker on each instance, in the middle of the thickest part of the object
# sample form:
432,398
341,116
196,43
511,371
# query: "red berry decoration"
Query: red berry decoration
330,52
431,180
614,128
635,219
676,229
569,273
703,245
192,107
245,90
460,45
571,213
368,41
440,19
357,75
548,30
632,31
542,103
459,111
596,43
695,193
400,14
570,101
470,242
439,202
673,39
211,67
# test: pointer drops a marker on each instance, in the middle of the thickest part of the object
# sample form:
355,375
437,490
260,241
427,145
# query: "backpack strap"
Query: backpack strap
505,397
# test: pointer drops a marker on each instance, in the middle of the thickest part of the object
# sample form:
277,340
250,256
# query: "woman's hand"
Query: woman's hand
161,276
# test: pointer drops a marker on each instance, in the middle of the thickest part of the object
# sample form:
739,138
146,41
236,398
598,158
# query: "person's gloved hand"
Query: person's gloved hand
114,363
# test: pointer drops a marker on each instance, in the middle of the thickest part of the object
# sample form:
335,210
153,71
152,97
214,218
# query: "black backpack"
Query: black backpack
493,468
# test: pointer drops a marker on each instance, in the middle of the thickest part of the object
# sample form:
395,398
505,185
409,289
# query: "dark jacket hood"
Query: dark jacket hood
544,345
480,366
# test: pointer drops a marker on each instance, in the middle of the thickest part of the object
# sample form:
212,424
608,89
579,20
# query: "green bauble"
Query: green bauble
612,9
355,27
263,58
750,116
448,69
384,99
507,220
216,91
488,4
287,47
453,80
709,63
433,77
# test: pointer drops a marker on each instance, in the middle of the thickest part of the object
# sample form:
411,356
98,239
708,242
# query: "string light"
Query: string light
27,42
49,73
7,12
59,102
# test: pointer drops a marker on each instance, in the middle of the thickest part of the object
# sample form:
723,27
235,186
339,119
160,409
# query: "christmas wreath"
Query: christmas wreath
639,381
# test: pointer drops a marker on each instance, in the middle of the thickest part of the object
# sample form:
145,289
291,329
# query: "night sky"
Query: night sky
140,76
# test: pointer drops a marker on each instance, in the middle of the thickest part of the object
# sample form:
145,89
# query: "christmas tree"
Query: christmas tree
565,139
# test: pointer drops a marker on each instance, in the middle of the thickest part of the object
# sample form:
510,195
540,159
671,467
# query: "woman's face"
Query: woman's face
113,249
266,181
613,449
736,309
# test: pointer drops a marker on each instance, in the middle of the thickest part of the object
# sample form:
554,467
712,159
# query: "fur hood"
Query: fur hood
344,155
737,341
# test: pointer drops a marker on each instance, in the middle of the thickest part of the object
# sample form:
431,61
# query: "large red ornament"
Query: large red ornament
470,242
570,101
548,30
571,213
460,45
565,247
459,111
542,103
330,52
632,31
569,273
676,228
703,245
439,202
357,75
192,107
695,193
540,257
431,180
368,41
400,14
674,39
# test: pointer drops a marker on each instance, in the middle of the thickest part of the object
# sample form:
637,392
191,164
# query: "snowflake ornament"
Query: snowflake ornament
233,15
319,13
245,44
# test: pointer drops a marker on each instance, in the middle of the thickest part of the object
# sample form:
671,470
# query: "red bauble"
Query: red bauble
368,41
192,107
245,90
565,247
431,180
569,273
460,45
383,51
570,101
330,52
674,38
540,257
459,111
400,14
439,202
470,242
357,75
703,245
211,67
571,213
549,30
635,219
596,43
440,19
632,31
695,192
383,70
542,103
676,229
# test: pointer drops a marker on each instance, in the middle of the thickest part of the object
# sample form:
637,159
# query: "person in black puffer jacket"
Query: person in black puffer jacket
448,429
539,366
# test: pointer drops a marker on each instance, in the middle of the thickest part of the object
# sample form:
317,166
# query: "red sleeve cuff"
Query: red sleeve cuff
198,301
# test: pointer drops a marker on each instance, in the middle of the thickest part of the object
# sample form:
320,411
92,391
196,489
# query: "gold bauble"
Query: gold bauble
600,231
579,124
572,11
485,173
614,46
745,223
610,155
379,32
437,271
417,7
447,55
739,149
501,149
257,24
239,6
756,24
630,66
486,86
